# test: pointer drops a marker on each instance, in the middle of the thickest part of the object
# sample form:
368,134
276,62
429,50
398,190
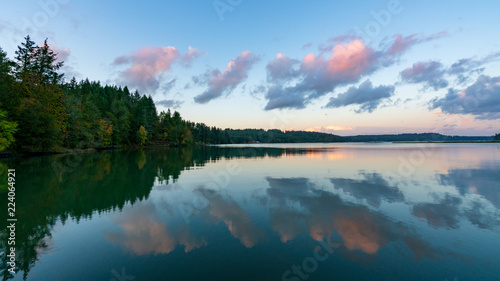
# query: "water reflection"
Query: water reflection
324,213
373,188
285,199
484,180
143,232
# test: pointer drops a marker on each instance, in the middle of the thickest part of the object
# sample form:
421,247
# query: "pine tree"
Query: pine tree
39,104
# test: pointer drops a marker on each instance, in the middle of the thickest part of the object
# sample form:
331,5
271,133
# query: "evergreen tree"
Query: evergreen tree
38,104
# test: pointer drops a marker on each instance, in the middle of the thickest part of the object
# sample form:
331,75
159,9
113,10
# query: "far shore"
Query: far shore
9,154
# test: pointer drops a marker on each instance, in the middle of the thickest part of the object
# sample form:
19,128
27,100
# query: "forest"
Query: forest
42,112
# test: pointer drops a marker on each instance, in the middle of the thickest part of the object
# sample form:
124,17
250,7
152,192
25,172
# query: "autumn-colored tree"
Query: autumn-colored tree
105,133
142,135
7,130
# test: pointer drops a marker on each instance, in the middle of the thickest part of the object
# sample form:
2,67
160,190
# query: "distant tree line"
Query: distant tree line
278,136
497,137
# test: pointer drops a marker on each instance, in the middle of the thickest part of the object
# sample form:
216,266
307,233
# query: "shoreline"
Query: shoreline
10,154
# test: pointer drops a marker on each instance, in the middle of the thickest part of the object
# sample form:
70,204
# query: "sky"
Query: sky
342,67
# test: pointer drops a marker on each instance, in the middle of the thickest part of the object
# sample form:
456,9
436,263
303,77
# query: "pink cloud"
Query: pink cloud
402,44
329,129
143,233
332,42
350,59
62,53
146,65
347,62
225,82
236,219
192,54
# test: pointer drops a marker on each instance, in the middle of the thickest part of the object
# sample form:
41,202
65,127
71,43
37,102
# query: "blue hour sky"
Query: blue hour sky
344,67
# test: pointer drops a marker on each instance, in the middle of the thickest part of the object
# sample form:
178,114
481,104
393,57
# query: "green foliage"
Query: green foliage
142,135
497,137
7,130
34,99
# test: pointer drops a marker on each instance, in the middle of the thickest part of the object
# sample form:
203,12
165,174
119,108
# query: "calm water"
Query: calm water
284,212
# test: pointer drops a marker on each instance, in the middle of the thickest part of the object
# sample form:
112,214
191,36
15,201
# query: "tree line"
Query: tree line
39,111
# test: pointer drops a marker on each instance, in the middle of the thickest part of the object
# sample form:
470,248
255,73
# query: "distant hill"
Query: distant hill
415,137
278,136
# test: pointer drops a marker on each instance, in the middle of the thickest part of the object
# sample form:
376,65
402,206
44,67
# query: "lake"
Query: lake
258,212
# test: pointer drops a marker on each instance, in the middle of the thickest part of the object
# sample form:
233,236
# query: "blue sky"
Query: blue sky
345,67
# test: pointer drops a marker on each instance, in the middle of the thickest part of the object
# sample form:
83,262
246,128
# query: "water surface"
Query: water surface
259,212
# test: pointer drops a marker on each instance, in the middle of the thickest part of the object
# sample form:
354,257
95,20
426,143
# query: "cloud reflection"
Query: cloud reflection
144,233
297,201
373,188
484,181
237,220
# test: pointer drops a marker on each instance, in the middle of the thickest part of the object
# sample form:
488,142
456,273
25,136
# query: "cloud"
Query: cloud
336,40
401,44
306,46
170,103
429,73
319,75
62,53
481,99
329,129
365,95
282,68
463,68
281,97
145,66
220,83
294,85
169,85
192,54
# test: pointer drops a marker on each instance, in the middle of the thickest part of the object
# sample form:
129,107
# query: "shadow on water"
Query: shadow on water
76,186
